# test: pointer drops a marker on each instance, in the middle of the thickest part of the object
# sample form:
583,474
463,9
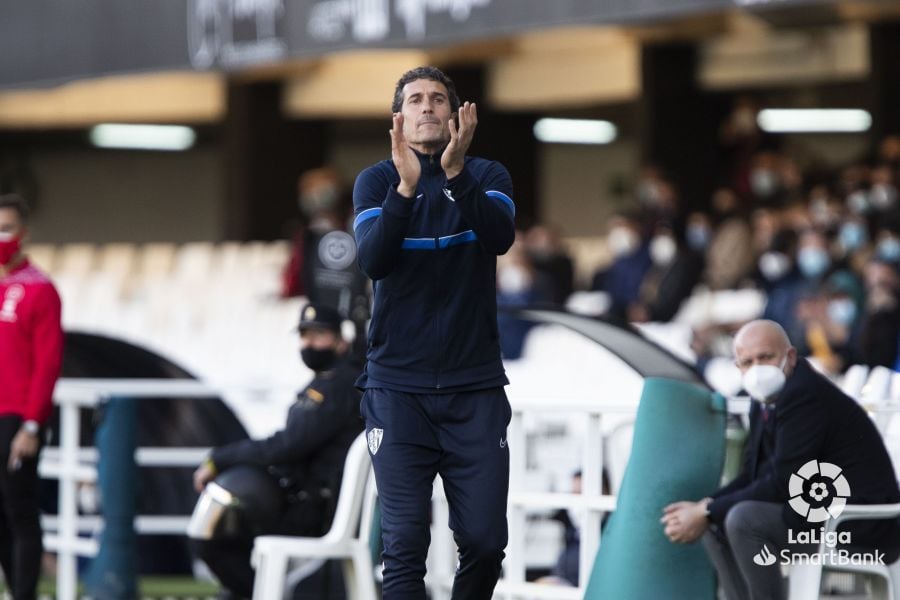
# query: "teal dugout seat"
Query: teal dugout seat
677,454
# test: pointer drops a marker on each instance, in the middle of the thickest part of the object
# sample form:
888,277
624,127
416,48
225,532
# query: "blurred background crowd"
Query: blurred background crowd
821,244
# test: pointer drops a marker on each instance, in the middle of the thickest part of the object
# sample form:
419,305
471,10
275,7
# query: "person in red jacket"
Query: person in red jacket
31,342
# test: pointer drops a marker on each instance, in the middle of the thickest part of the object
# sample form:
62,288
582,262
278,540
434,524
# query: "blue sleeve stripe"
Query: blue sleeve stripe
418,243
369,213
503,198
459,238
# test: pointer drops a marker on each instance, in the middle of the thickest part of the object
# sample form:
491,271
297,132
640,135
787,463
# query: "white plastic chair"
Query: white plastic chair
344,540
805,580
854,380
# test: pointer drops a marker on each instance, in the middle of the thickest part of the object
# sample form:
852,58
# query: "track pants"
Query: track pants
20,527
462,437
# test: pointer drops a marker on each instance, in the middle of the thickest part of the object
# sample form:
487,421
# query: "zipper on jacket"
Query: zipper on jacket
437,275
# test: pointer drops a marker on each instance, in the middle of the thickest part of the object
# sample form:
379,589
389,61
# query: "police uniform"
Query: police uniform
434,401
306,458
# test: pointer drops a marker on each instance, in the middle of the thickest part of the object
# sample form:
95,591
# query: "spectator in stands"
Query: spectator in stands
675,271
887,245
883,189
879,329
319,201
853,248
657,199
729,257
549,257
798,417
31,345
631,261
889,153
825,211
767,184
741,139
519,284
832,324
764,223
698,232
305,459
813,257
323,258
779,277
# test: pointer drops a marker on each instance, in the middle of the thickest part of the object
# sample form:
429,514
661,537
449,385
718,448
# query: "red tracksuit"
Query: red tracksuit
31,343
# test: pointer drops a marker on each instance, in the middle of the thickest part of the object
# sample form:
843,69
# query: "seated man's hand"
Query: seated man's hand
685,522
205,473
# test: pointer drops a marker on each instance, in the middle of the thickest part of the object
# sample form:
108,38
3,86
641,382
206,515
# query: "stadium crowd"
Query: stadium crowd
822,244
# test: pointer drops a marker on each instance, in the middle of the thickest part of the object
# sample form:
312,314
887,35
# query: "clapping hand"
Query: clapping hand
405,160
453,159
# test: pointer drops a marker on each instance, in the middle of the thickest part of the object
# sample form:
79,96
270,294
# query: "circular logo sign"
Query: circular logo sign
337,250
819,491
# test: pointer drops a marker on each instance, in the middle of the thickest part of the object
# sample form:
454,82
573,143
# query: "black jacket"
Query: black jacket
814,420
433,262
309,452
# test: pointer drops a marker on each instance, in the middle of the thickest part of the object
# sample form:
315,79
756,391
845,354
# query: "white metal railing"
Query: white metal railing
72,464
591,503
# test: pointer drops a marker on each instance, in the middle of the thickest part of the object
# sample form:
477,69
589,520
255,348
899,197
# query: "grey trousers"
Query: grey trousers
749,526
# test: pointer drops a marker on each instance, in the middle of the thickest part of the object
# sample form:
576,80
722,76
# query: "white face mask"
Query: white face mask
513,279
774,265
663,250
622,241
764,381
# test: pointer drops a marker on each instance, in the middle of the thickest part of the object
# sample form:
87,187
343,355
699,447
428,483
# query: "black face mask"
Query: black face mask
319,360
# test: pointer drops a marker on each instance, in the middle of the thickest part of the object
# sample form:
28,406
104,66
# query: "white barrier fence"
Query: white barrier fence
72,464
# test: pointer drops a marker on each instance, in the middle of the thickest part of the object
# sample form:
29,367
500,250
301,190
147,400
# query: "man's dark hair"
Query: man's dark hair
432,73
17,203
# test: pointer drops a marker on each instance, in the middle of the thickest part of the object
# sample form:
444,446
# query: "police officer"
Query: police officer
306,459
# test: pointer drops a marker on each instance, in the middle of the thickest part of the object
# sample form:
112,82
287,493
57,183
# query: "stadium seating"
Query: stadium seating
212,308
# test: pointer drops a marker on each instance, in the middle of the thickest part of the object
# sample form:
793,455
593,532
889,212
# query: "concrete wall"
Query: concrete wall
107,196
578,184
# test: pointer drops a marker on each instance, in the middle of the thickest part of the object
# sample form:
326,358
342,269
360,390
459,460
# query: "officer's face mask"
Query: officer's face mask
762,382
319,359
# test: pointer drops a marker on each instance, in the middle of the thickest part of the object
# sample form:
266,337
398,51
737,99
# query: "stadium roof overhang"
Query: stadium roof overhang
167,61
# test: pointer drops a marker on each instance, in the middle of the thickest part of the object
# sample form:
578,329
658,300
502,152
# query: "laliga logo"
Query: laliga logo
826,495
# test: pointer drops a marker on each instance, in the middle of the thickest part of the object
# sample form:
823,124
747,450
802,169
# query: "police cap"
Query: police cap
320,317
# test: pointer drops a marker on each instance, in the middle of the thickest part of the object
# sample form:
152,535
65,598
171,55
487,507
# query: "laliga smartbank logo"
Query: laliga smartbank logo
819,492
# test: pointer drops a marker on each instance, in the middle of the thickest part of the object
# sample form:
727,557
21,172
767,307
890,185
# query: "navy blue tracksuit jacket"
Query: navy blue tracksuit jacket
433,264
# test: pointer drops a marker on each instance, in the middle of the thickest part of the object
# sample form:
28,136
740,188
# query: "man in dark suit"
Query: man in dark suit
811,448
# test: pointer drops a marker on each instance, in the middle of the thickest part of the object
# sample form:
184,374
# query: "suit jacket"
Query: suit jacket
814,420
